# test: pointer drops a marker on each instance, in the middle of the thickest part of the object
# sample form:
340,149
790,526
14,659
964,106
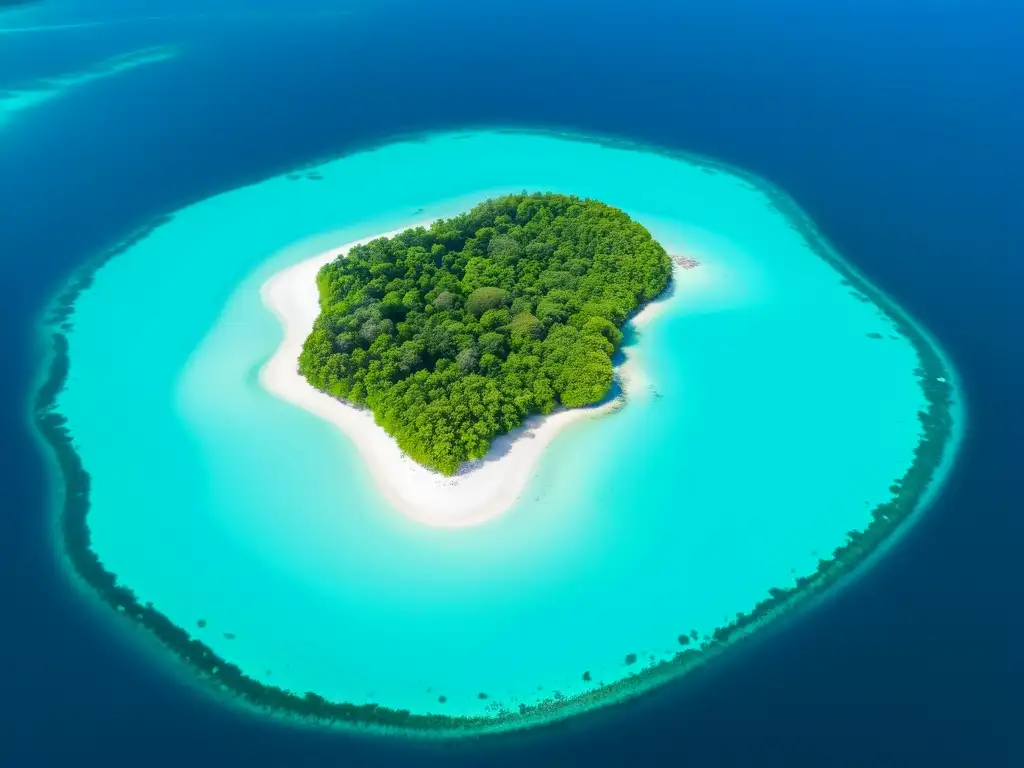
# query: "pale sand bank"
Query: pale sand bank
481,490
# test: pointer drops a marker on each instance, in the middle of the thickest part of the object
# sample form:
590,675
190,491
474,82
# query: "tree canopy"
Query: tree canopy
453,335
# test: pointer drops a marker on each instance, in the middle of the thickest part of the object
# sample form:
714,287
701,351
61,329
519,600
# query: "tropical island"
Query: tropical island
641,547
455,334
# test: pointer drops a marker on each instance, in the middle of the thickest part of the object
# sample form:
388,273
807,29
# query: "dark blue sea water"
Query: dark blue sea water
897,128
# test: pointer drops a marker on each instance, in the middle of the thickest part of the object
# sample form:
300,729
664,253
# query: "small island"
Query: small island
454,335
298,563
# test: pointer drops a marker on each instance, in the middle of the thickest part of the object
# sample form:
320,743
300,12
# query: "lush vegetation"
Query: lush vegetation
453,335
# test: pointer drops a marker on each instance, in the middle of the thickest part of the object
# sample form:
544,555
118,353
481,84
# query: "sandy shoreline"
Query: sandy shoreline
480,491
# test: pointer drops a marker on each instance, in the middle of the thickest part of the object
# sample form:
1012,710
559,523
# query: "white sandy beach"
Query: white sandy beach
480,491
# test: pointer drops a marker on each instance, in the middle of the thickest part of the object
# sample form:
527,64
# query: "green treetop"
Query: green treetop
453,335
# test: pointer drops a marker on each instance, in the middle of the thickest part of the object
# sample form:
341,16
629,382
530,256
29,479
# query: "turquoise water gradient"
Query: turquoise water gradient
14,101
769,426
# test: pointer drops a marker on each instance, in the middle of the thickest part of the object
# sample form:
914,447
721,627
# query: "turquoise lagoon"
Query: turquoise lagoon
780,405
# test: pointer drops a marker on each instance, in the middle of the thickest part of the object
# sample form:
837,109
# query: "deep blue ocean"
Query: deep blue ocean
897,126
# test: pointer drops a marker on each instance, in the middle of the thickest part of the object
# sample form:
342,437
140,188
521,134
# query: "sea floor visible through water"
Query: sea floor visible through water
779,407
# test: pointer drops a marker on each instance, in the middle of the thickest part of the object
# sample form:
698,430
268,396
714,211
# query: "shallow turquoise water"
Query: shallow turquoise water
776,426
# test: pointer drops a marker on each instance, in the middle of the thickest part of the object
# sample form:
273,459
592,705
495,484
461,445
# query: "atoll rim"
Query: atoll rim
781,421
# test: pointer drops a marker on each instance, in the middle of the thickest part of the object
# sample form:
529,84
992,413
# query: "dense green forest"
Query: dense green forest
453,335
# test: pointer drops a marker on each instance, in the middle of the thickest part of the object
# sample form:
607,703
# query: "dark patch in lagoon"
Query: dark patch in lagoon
252,378
936,423
201,623
229,635
586,676
875,335
630,659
